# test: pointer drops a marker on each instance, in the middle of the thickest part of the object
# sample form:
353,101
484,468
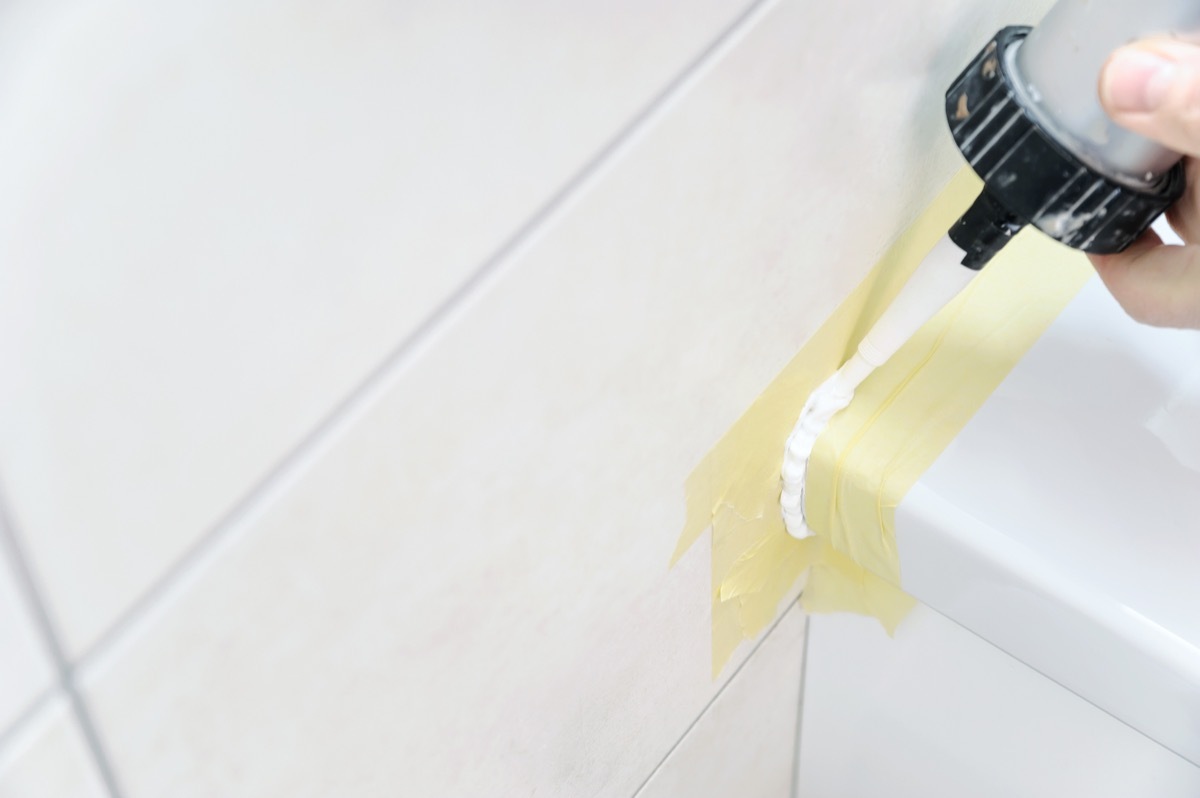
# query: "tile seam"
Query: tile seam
28,714
283,474
795,793
51,638
793,606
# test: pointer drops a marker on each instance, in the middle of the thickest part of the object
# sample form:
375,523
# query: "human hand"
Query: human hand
1152,87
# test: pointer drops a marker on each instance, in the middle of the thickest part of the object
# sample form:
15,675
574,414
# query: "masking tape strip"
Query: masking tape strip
902,418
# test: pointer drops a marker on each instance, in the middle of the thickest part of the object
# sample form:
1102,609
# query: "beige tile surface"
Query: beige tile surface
46,757
447,666
745,743
467,593
217,217
26,670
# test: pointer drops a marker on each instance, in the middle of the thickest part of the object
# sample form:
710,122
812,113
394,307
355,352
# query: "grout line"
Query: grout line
704,711
26,717
800,711
51,638
312,446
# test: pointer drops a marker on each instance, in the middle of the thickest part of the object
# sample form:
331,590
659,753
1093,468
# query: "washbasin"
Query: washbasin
1063,523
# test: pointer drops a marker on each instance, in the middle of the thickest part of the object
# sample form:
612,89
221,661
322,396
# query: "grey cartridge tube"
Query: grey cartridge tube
1057,68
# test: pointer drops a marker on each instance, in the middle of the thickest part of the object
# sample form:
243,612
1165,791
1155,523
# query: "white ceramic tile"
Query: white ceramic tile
391,654
46,757
217,217
939,711
26,671
467,593
745,743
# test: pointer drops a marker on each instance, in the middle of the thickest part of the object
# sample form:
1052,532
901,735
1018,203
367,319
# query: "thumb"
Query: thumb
1152,87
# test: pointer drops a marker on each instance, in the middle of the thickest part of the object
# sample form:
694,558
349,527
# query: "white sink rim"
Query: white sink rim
997,536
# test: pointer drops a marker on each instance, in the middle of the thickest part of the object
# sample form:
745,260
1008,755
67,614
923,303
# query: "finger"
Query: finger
1155,284
1152,87
1184,215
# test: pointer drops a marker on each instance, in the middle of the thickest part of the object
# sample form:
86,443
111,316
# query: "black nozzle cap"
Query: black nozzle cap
1030,176
984,230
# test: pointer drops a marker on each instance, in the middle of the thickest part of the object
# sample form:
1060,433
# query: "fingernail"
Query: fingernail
1136,81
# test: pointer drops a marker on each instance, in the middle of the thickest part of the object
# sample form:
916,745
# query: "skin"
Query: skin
1153,87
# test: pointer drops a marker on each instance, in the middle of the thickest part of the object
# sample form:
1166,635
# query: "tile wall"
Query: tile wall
354,354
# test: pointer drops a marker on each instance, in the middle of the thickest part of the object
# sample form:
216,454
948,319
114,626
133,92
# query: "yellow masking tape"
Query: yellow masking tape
903,416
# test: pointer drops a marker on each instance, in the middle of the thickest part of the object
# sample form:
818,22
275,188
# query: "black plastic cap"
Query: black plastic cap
1033,179
984,230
